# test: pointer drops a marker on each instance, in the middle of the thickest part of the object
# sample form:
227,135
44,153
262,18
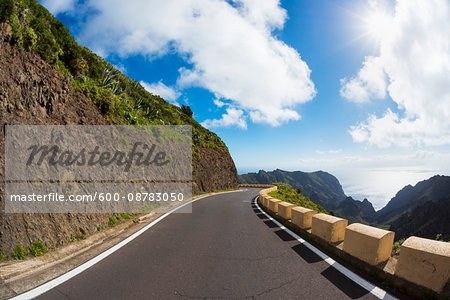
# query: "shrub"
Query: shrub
186,109
38,248
29,38
110,82
16,32
48,48
398,244
125,216
100,96
113,221
19,253
74,238
62,68
6,10
440,238
81,66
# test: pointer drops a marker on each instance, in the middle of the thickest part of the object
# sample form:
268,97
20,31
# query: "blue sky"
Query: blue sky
356,88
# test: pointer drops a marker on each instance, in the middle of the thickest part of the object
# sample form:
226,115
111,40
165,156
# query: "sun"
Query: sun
377,24
371,22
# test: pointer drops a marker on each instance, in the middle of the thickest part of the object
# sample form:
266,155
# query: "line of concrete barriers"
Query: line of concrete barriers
421,261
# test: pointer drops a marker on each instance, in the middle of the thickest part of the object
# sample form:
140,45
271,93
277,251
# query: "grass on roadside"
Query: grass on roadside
286,193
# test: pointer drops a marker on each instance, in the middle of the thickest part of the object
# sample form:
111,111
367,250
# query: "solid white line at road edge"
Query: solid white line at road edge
378,292
74,272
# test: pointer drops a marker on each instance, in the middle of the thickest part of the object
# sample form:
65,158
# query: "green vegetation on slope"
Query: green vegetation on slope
286,193
120,99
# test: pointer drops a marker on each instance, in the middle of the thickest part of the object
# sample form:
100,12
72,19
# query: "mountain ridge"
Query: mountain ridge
420,209
433,189
307,182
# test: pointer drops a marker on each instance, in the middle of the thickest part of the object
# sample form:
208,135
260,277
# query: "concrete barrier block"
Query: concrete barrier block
266,201
329,228
271,189
284,210
273,204
424,262
302,217
370,244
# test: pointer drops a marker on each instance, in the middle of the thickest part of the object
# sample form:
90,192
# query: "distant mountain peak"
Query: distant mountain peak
321,187
433,189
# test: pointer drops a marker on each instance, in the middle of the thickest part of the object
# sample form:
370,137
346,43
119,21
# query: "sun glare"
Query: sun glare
377,24
370,22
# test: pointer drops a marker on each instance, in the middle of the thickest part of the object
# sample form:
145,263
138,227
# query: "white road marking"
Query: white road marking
74,272
378,292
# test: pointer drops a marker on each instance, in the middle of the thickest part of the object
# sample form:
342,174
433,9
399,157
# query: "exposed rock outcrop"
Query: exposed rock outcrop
35,92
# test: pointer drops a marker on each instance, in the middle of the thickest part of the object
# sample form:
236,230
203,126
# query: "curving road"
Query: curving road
226,248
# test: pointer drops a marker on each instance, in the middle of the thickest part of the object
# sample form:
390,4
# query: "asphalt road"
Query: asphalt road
225,249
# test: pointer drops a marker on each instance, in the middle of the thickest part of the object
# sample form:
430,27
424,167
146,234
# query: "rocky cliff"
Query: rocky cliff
34,91
434,189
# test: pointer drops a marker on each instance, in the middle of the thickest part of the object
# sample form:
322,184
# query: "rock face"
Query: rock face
420,210
434,189
215,170
34,92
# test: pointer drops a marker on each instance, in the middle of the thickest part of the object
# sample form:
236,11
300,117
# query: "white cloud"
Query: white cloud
415,59
275,117
263,14
335,151
233,117
369,83
58,6
321,152
162,90
219,103
230,49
